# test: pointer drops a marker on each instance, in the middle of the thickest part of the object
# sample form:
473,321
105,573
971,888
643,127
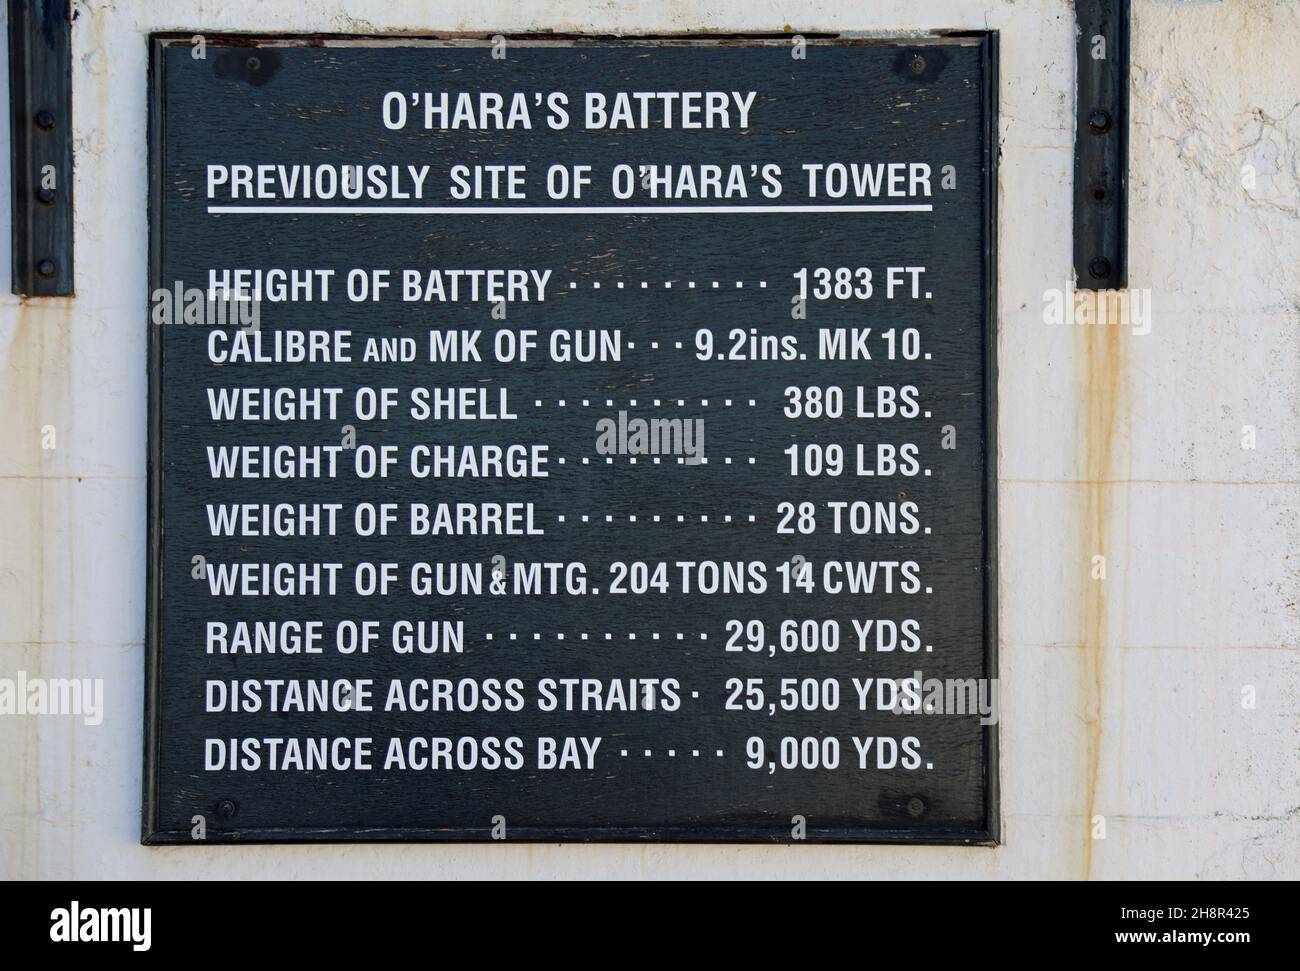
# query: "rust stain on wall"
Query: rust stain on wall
35,392
1104,408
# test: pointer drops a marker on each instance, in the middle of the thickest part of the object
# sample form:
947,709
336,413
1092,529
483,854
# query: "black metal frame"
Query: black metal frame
989,835
1101,146
40,120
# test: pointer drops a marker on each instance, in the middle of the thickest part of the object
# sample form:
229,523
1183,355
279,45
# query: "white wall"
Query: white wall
1120,698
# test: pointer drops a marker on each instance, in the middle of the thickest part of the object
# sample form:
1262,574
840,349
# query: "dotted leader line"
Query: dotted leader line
632,402
657,519
586,636
668,284
656,460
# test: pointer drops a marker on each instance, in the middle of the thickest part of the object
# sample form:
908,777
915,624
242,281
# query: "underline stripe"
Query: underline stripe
556,210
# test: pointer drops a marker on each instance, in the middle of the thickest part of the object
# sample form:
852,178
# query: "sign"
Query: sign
571,440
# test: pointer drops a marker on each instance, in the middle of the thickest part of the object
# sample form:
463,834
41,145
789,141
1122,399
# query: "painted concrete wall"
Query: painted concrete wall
1125,698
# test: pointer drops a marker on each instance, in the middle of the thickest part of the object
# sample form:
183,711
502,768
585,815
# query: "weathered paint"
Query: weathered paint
34,393
1121,698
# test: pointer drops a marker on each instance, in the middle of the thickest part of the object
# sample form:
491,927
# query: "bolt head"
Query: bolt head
915,806
1099,121
45,195
227,808
918,65
46,268
1099,268
44,119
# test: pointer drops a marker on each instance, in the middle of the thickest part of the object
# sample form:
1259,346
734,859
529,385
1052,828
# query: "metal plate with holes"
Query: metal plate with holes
40,117
1101,145
786,252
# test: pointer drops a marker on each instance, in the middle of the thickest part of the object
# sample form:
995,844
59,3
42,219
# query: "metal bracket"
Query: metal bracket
1101,145
40,121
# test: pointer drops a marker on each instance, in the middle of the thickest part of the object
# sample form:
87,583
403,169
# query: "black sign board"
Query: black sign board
571,440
